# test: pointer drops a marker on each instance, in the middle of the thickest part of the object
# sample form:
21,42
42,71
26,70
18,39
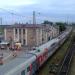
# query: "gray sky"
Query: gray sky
53,10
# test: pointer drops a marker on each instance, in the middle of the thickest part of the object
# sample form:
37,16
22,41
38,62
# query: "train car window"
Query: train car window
28,69
53,44
23,72
34,66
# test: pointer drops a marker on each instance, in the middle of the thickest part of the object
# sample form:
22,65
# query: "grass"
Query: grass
56,58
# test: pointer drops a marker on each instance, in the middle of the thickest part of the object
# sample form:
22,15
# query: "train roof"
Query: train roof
41,48
48,44
62,35
22,58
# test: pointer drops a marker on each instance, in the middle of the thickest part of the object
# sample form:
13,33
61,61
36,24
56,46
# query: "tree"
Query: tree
62,26
47,22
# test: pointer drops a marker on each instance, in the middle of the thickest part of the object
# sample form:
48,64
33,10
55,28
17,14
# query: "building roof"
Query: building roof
22,26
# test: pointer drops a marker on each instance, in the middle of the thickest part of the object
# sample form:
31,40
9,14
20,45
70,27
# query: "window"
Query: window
15,31
23,72
23,31
24,41
42,39
20,40
48,38
19,31
28,69
53,44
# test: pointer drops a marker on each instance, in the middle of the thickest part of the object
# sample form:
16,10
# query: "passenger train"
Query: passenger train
28,63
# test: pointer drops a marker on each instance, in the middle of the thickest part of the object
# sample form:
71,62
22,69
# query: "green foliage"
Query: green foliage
47,22
62,26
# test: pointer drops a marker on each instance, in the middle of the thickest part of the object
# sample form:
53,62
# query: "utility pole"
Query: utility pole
34,29
34,18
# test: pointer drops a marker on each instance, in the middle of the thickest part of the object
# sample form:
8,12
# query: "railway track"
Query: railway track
67,59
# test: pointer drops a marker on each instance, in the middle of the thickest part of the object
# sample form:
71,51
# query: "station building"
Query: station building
29,34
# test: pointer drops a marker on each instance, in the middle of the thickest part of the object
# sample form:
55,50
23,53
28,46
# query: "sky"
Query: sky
52,10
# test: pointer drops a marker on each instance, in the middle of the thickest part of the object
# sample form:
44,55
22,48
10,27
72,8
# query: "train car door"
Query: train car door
34,67
28,70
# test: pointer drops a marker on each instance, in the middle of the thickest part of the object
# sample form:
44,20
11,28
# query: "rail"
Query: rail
67,59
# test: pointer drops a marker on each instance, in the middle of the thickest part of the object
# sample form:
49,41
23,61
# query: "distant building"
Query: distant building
29,35
49,32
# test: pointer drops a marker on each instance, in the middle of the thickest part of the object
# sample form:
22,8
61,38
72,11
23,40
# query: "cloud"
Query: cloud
57,9
8,3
